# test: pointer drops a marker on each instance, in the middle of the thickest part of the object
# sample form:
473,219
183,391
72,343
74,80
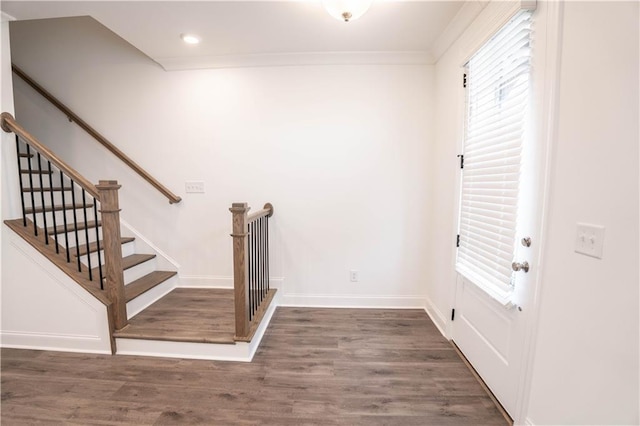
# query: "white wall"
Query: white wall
586,353
342,152
586,359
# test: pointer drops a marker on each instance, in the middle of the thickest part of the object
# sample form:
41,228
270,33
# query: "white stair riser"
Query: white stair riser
82,238
57,198
138,304
127,250
139,271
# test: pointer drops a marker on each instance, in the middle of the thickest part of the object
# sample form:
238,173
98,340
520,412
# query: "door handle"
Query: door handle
524,266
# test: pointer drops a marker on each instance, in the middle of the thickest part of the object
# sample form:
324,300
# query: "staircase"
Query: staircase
76,226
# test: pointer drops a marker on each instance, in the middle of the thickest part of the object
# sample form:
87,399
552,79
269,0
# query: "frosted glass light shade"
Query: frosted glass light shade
346,10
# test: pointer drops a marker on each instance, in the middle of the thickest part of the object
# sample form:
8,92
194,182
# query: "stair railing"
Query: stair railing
38,200
173,198
252,293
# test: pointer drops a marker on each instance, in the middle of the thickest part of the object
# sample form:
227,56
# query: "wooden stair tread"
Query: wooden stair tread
55,189
36,172
149,281
198,315
39,209
93,247
128,262
25,155
61,229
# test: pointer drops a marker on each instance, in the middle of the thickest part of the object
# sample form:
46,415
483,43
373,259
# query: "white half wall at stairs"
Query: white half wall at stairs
43,308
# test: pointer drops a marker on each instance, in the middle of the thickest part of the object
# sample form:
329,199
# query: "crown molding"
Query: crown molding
296,59
5,17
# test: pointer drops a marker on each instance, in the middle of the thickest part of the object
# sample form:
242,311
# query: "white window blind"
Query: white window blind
497,101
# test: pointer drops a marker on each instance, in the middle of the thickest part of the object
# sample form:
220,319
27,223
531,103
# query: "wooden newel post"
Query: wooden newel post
114,277
240,268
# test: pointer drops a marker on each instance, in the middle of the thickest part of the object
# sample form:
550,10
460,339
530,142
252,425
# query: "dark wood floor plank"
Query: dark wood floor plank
314,367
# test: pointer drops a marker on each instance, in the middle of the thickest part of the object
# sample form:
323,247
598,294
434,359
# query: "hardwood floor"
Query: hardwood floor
314,367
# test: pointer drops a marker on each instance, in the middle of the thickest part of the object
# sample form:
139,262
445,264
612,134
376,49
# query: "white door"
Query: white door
499,207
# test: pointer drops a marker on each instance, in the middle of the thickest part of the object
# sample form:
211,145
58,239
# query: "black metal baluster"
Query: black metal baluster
55,225
250,261
267,251
75,224
44,212
95,216
261,259
253,258
255,268
86,233
256,262
33,198
256,265
64,218
24,214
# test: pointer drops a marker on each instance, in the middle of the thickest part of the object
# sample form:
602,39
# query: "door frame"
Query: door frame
546,129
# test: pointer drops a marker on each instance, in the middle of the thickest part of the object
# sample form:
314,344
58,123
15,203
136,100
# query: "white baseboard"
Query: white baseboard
350,301
437,317
55,342
218,281
205,281
528,422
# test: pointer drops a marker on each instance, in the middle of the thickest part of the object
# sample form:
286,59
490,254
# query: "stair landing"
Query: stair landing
186,315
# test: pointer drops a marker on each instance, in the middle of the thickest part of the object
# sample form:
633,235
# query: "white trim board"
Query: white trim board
438,319
352,301
218,281
165,261
53,342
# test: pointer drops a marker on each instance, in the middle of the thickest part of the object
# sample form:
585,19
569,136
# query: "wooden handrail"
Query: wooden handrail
9,124
267,210
97,136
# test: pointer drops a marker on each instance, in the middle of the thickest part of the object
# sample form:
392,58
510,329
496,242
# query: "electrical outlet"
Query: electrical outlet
354,276
194,187
589,240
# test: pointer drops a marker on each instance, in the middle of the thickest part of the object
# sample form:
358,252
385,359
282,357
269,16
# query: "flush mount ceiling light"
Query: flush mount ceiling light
190,38
346,10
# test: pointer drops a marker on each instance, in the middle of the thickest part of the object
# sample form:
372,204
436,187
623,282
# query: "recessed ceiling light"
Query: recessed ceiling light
190,38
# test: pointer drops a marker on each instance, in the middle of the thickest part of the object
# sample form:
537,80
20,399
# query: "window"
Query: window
498,90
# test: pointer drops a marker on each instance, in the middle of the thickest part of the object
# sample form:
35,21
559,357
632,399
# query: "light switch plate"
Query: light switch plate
194,187
589,240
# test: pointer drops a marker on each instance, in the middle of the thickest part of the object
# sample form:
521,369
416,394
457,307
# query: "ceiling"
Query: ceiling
255,33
